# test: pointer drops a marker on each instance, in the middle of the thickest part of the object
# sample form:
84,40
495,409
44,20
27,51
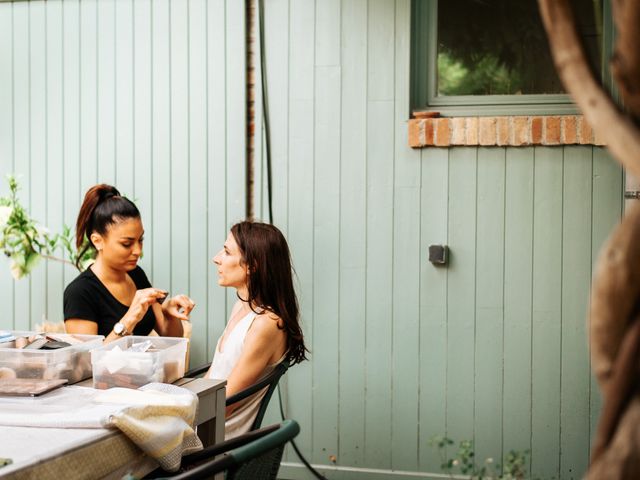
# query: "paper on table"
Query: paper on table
118,360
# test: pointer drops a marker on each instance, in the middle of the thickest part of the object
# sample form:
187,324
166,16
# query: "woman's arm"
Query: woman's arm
264,344
87,327
169,316
142,300
82,327
165,326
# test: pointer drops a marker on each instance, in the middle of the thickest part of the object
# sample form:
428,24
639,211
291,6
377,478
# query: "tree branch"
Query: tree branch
617,130
58,259
625,64
614,292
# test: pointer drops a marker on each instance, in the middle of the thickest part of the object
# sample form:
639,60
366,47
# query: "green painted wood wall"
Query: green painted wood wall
490,348
149,95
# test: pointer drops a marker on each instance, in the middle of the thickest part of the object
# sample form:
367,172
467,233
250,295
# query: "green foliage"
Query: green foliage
67,242
464,461
24,241
499,47
487,77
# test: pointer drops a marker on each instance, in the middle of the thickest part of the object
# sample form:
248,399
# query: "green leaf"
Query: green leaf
31,261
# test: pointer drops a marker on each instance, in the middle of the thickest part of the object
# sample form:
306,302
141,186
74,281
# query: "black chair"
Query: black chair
256,455
271,381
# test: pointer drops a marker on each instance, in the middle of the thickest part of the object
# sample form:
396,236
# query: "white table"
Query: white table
53,453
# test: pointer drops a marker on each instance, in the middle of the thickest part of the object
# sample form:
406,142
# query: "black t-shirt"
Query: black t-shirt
86,298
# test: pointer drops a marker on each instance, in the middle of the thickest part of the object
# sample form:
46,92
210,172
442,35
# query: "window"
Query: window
473,57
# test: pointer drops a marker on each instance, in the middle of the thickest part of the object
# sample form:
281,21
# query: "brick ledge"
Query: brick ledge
517,131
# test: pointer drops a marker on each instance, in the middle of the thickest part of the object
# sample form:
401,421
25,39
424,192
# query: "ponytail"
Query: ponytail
102,206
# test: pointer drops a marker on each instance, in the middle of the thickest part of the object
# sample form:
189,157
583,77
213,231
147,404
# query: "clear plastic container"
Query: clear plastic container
72,363
117,364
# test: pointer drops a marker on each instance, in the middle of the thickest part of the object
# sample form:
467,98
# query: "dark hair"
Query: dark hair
102,206
270,281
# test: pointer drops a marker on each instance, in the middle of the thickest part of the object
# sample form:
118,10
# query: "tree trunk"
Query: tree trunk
614,315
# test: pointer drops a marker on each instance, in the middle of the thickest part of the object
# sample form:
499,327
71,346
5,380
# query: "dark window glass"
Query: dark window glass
499,47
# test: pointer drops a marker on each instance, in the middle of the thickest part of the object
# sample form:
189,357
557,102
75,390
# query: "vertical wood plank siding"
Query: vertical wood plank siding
546,311
490,348
406,342
352,233
490,296
22,158
143,94
149,94
7,143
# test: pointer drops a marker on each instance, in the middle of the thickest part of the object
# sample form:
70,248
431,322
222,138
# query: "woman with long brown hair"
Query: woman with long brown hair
113,297
263,329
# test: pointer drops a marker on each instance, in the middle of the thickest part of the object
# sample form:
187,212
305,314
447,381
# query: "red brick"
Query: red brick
415,134
428,131
570,134
458,131
552,130
586,134
443,131
425,114
472,131
536,130
488,131
506,130
520,131
502,130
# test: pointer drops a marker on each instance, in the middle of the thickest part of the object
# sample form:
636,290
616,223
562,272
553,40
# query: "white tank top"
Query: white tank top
242,418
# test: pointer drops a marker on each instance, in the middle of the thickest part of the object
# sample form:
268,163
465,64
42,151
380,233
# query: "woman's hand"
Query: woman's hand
141,302
178,307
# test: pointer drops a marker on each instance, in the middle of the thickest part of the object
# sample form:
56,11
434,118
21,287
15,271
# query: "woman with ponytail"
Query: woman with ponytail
263,329
113,297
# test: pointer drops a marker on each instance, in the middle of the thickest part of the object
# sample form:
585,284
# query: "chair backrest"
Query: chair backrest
260,459
255,455
271,382
197,371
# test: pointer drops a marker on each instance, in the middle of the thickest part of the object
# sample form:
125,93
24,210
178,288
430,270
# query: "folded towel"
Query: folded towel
159,421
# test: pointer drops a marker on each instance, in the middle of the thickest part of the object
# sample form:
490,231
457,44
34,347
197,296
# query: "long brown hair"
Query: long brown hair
270,280
102,206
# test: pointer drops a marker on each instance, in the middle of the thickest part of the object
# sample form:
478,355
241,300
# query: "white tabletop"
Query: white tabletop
93,452
24,445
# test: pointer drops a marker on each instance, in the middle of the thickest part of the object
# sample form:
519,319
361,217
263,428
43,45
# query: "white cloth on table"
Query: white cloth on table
158,417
